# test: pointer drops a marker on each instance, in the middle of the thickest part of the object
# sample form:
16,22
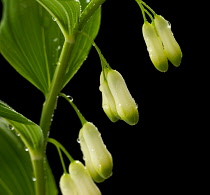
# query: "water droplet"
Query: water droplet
59,47
18,134
11,127
26,149
54,19
33,179
71,98
78,140
169,24
58,63
55,39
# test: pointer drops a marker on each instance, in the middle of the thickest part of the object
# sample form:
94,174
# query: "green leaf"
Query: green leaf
30,41
9,113
15,166
83,45
16,173
65,13
30,133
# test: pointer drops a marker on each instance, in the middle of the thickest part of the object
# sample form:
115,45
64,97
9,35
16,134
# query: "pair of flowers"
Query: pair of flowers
161,43
117,101
98,164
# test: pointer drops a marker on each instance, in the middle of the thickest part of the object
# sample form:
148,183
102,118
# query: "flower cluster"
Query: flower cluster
98,164
161,43
117,101
78,182
159,39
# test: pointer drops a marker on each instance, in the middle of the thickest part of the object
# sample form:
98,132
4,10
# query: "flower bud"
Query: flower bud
108,103
67,185
84,183
171,47
154,47
125,104
97,158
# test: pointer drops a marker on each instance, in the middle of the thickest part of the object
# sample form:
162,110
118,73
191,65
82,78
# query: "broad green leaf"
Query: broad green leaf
30,133
65,13
9,113
16,172
30,41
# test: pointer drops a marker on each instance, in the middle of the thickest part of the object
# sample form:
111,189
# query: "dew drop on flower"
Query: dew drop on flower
169,24
78,140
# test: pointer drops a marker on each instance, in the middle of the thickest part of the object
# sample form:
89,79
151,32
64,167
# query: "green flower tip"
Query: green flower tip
97,158
161,43
117,101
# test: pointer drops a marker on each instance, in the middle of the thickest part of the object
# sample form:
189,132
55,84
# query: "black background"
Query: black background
161,152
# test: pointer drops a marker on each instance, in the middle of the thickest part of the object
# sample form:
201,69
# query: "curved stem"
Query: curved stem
79,114
59,145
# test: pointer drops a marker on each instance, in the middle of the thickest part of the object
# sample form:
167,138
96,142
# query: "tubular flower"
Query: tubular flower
67,185
83,181
108,103
171,47
97,158
154,47
125,104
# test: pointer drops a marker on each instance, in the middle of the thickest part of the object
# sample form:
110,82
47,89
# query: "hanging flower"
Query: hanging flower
67,185
171,47
82,179
97,158
125,104
154,47
108,103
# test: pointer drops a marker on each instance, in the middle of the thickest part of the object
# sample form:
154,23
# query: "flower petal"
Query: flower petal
154,47
125,104
82,179
171,47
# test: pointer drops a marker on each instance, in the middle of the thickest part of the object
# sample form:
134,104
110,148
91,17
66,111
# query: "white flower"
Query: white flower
97,158
84,183
125,104
67,185
171,47
108,103
154,47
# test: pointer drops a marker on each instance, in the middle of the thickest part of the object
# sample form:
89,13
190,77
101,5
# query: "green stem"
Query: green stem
79,114
59,145
39,175
89,11
56,86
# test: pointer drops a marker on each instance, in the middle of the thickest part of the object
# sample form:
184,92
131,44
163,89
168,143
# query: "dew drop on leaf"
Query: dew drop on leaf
33,179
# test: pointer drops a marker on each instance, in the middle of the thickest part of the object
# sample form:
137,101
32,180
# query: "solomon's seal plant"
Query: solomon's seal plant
46,42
